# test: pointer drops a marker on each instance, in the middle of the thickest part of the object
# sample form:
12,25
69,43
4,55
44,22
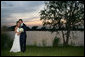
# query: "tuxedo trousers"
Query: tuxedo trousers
23,44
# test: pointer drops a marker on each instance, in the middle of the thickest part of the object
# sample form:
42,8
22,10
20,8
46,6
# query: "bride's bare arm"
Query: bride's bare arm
16,31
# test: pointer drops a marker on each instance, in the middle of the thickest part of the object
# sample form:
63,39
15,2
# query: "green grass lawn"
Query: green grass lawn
47,51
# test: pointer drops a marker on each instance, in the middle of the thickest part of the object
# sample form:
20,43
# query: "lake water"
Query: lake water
37,37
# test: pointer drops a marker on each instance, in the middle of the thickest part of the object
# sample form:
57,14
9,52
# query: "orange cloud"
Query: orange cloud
32,23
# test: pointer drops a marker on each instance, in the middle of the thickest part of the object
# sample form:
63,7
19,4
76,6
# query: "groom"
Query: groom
23,36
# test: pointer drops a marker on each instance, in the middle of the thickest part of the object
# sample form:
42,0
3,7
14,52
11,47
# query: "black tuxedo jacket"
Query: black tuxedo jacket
23,34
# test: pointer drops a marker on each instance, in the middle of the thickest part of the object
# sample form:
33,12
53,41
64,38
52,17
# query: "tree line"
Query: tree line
43,28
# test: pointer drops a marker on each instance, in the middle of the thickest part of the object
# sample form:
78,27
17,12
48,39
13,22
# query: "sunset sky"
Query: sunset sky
11,11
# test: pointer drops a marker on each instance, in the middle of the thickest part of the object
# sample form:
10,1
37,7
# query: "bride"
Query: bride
16,42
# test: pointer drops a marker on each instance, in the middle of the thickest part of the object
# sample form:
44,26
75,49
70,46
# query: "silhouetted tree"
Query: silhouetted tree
28,28
12,28
4,28
71,11
43,28
34,27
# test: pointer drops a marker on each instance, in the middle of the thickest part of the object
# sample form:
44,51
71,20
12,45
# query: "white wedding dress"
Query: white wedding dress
16,43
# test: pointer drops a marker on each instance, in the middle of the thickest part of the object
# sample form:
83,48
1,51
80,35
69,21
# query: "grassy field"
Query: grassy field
47,51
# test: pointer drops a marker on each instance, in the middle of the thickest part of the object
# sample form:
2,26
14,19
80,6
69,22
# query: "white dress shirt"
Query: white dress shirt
22,24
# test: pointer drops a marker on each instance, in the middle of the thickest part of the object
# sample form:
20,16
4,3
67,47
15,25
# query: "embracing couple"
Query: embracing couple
19,43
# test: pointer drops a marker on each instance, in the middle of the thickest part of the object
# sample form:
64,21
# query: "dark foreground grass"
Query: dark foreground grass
47,51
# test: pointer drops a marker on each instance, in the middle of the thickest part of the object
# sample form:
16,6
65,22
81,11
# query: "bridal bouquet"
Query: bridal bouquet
21,29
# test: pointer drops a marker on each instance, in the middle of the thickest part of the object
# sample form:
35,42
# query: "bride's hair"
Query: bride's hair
17,22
